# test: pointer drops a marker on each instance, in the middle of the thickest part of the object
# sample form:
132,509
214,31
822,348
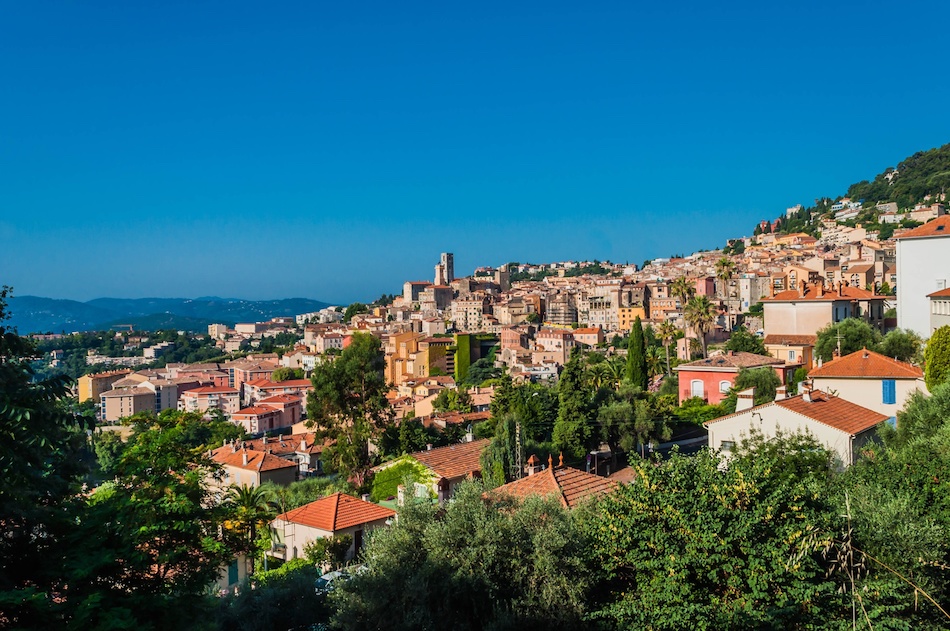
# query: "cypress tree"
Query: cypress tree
637,356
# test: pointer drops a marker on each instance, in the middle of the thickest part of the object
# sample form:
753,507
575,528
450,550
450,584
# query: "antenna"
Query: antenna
839,337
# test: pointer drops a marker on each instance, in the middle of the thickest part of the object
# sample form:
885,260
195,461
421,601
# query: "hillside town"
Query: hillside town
476,377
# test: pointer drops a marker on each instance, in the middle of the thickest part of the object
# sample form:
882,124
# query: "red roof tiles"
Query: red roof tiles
570,486
454,461
867,364
939,227
337,512
256,460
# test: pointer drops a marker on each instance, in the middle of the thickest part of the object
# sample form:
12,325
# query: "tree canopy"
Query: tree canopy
856,334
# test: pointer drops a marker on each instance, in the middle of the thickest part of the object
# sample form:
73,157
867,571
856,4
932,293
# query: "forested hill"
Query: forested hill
924,173
33,314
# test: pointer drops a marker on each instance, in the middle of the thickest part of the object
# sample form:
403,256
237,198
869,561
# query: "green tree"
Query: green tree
108,446
348,405
354,309
937,358
473,564
636,357
724,268
700,315
283,374
744,341
667,333
453,400
683,289
689,544
481,371
329,553
249,509
764,380
41,463
148,545
856,334
904,345
573,429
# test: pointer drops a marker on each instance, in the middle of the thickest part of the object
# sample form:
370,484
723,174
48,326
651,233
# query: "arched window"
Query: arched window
696,388
724,386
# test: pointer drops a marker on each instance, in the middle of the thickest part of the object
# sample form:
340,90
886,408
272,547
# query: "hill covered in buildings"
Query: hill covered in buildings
34,314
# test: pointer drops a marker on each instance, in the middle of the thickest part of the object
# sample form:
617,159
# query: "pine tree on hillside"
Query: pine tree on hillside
637,356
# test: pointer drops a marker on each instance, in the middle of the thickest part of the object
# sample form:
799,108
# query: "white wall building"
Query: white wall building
923,267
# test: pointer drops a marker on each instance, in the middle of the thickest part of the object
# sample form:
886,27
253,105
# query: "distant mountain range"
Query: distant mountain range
33,314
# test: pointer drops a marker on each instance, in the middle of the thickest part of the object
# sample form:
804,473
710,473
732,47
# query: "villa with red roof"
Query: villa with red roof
331,516
243,466
713,377
258,389
812,306
879,383
451,465
840,425
567,485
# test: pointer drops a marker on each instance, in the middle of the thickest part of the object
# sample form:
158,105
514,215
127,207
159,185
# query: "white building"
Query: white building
839,425
879,383
923,267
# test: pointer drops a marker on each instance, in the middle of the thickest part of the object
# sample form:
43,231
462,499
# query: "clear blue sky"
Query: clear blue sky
331,150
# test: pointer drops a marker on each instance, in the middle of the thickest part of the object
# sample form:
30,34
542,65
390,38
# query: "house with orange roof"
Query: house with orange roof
877,382
243,466
809,307
792,349
840,425
450,465
331,516
923,267
567,485
259,389
290,406
257,418
939,309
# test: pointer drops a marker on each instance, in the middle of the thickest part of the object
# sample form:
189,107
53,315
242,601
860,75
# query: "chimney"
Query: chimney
781,393
745,399
806,395
801,289
534,465
365,497
264,439
820,288
244,457
429,447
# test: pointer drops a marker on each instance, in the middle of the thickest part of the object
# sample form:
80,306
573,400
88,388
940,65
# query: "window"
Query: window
724,386
889,391
728,445
791,356
696,388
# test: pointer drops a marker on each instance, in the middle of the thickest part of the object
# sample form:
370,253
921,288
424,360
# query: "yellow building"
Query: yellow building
628,315
92,386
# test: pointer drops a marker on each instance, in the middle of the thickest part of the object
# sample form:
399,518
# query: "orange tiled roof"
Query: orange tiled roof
571,486
256,460
939,227
336,512
213,390
826,294
823,408
286,445
943,293
791,340
867,364
455,461
624,476
255,410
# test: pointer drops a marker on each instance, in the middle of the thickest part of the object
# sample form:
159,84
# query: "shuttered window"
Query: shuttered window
889,391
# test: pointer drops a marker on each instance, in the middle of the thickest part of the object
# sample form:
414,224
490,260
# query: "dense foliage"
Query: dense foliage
924,173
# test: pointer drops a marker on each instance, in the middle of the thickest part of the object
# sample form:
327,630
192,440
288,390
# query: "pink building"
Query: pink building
712,378
258,418
228,400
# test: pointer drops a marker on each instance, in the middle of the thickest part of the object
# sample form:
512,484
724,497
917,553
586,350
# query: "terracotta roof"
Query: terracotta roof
287,445
939,227
827,294
337,512
867,364
213,390
283,398
127,392
791,340
943,293
736,360
454,461
256,460
823,408
255,410
569,485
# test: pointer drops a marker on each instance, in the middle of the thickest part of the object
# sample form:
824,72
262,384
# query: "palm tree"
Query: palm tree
667,331
654,361
683,289
700,315
251,508
724,269
617,368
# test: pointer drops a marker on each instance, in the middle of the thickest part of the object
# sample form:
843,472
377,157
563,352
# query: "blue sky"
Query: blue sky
332,150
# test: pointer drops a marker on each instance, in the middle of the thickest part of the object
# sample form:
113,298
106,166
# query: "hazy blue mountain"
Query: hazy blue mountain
33,314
